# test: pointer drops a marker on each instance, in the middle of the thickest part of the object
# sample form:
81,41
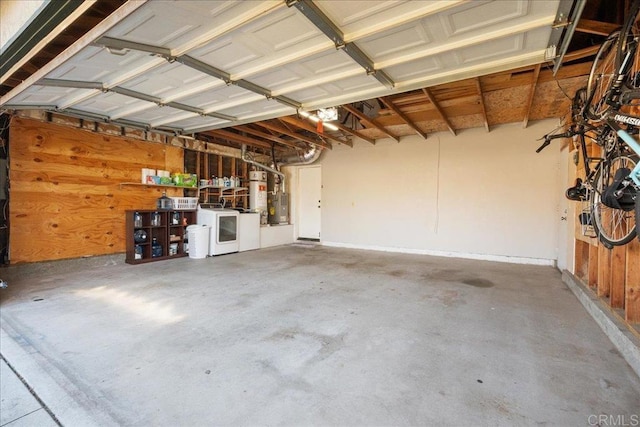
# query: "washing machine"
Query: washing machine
223,238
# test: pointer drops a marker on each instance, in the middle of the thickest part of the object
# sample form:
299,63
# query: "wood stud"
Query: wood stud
532,92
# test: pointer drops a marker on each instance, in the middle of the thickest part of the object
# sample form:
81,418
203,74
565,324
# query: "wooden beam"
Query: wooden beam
532,91
484,108
386,101
440,111
368,121
284,131
237,138
618,269
632,287
604,272
596,27
309,128
581,53
593,267
269,136
343,128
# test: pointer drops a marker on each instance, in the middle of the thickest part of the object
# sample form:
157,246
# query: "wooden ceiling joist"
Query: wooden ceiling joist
268,136
484,108
439,109
237,138
386,101
345,129
532,91
370,122
596,27
294,121
284,131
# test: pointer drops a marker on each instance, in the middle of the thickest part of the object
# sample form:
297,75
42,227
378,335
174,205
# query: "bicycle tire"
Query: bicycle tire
602,75
628,47
628,32
614,227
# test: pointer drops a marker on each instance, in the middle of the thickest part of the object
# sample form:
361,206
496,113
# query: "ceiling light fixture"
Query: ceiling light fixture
314,118
328,114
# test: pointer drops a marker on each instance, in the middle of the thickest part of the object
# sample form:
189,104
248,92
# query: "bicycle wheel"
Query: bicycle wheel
629,32
614,227
602,75
627,51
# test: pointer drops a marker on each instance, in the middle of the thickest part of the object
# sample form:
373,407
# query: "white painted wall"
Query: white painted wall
566,227
477,195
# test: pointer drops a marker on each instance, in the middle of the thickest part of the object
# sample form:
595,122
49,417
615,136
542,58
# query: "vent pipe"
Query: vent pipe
305,158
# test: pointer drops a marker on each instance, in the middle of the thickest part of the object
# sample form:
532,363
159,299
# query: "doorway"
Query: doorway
310,190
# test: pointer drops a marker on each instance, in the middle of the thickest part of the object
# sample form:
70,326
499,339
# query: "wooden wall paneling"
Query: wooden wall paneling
593,266
632,286
66,198
604,271
618,270
581,267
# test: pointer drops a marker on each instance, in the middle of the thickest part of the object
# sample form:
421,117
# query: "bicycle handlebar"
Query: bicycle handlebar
547,141
548,138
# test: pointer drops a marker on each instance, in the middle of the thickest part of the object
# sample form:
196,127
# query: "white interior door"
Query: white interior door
310,190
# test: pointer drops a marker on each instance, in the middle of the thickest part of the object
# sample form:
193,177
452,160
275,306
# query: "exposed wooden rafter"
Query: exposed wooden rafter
439,109
345,129
371,122
581,53
386,101
269,136
237,138
284,131
532,91
484,108
596,27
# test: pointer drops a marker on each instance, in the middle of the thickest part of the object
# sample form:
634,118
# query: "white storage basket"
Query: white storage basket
184,203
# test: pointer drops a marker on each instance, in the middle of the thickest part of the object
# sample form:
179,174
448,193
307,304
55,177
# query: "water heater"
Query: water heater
258,194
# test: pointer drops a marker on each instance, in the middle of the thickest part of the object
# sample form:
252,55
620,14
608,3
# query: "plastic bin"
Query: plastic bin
198,236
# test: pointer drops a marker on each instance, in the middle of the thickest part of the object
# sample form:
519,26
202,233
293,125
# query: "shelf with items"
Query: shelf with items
139,184
153,235
231,195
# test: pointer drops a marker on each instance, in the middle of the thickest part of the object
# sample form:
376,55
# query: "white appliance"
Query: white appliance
258,194
249,231
223,238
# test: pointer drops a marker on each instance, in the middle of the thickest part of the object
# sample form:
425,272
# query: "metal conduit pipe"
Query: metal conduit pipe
306,158
243,156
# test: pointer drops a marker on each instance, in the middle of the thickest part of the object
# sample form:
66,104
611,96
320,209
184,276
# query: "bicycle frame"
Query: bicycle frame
629,140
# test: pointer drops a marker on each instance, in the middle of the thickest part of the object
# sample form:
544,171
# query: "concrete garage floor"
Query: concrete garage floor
301,335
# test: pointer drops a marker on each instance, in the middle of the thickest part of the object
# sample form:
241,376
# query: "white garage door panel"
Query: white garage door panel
197,122
43,95
281,52
221,98
106,103
316,69
359,18
256,108
169,81
182,24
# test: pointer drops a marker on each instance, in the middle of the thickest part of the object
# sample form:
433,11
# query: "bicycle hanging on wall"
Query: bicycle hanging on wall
607,113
